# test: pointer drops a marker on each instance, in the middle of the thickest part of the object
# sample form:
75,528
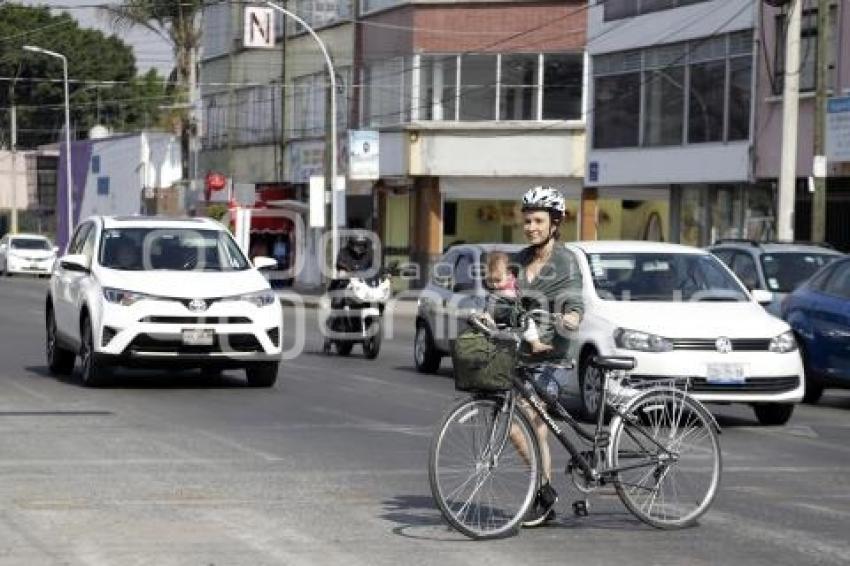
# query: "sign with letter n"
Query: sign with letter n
259,28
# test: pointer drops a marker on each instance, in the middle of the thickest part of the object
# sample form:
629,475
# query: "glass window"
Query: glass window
562,83
740,81
478,87
384,104
664,106
618,9
438,83
724,255
30,244
647,6
76,245
785,271
744,266
464,277
616,110
662,277
808,51
183,249
705,108
518,97
838,283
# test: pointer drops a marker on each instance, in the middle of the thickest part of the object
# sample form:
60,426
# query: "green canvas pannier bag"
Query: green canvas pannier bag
481,365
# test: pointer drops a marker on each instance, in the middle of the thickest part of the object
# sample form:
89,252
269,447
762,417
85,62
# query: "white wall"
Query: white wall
130,163
537,151
703,163
13,173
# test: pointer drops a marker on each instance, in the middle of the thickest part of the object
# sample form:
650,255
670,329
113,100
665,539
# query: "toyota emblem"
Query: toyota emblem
723,345
197,305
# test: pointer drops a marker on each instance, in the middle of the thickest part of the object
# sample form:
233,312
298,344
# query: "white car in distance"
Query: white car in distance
155,292
29,254
681,313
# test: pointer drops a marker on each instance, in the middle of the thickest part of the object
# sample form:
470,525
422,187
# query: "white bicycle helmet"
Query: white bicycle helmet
544,198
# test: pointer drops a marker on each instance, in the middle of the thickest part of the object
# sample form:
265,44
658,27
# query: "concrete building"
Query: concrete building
475,103
123,174
28,184
671,121
768,119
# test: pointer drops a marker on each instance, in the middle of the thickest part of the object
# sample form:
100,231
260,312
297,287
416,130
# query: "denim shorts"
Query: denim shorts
549,379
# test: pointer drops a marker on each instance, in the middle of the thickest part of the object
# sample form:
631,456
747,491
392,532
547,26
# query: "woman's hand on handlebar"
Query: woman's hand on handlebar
567,322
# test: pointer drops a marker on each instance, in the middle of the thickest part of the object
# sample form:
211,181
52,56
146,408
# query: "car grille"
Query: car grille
169,344
709,344
779,384
196,319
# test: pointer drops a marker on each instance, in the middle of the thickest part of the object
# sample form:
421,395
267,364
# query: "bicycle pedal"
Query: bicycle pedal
581,508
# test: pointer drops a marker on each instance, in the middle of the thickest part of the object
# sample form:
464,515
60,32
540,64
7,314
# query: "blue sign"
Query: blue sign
103,185
841,104
593,172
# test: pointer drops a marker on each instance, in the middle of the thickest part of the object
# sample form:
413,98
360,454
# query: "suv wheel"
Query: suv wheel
93,371
425,354
262,374
773,414
59,360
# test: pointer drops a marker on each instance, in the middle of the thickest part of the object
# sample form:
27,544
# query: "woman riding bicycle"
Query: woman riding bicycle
548,279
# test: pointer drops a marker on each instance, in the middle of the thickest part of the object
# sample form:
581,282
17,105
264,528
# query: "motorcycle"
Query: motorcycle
357,309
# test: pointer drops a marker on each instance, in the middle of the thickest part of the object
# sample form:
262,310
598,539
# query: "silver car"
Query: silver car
777,267
456,284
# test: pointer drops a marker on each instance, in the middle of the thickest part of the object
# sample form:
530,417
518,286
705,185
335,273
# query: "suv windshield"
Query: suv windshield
662,277
30,244
173,249
785,271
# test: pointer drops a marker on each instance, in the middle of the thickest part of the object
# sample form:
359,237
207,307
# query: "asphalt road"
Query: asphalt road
329,467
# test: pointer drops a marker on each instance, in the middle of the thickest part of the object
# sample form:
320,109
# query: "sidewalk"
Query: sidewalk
313,298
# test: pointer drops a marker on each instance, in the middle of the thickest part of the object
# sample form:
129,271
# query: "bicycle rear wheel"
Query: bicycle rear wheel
668,448
483,477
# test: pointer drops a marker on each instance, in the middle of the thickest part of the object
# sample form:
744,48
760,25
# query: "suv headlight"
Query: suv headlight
641,341
122,297
783,343
258,299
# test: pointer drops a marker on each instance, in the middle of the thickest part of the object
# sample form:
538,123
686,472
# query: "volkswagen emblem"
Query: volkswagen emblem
197,305
723,345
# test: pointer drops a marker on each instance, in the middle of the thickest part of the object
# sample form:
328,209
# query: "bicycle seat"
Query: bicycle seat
614,362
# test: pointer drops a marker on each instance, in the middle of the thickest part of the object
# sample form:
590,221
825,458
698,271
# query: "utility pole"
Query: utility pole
14,214
822,71
790,115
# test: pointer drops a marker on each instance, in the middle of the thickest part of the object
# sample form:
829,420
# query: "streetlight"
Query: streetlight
69,180
332,182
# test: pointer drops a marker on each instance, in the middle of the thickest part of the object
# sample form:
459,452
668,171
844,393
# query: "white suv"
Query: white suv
155,292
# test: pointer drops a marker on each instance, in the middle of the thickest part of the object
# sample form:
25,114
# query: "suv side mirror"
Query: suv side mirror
762,297
75,262
263,262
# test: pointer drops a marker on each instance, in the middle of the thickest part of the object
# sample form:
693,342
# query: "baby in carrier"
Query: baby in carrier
502,284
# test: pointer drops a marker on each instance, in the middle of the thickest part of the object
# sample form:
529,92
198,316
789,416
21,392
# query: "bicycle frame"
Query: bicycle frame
595,441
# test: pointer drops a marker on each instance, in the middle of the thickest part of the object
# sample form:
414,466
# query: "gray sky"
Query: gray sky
150,49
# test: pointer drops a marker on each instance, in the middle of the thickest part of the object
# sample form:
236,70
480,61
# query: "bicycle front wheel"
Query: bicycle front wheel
483,469
666,451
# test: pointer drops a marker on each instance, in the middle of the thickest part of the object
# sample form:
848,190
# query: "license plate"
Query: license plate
198,337
726,373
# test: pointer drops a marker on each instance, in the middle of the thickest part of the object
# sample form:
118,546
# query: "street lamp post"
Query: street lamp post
333,167
68,179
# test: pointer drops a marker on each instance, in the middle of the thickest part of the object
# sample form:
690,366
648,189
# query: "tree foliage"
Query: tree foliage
103,87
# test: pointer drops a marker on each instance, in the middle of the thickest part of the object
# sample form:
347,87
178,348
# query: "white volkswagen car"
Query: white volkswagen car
681,313
141,291
30,254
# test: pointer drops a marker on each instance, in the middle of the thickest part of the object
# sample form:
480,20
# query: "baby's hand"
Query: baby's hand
538,347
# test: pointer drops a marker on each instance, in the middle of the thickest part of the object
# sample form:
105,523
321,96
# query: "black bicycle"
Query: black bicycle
660,450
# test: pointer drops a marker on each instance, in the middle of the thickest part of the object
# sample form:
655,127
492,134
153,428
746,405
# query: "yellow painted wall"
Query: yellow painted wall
504,223
617,223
